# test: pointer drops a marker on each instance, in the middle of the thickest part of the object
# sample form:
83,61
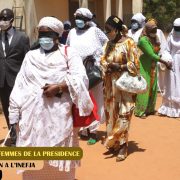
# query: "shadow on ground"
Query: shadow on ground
132,148
7,143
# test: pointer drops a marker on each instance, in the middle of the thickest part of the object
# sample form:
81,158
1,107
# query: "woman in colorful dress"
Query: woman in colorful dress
120,54
88,40
171,97
150,47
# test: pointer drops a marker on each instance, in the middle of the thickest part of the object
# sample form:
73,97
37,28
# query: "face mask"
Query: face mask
134,26
46,43
80,23
152,35
5,25
177,33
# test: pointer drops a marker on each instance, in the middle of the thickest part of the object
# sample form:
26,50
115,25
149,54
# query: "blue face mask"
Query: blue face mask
134,26
177,33
80,23
46,43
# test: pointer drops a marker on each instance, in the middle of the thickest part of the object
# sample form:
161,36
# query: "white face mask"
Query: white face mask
5,25
46,43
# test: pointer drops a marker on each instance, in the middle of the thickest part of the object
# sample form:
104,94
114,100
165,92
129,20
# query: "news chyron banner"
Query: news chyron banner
32,158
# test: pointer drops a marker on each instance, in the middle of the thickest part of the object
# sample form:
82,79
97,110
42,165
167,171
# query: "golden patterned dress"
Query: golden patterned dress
119,105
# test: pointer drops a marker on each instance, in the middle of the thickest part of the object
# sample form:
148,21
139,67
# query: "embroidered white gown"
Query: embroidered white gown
90,42
47,122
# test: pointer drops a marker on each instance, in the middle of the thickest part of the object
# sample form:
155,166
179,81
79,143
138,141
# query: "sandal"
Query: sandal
143,116
85,137
122,153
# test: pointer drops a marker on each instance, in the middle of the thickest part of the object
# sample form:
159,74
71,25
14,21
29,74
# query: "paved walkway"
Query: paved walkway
154,153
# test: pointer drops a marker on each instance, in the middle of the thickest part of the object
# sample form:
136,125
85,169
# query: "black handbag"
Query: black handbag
93,71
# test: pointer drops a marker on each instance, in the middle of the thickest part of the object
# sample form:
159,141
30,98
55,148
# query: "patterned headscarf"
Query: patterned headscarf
151,24
52,23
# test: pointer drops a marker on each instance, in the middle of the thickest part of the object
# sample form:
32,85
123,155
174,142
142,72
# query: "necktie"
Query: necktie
6,43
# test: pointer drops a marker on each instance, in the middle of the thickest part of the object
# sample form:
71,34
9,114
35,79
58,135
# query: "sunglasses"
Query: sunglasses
2,18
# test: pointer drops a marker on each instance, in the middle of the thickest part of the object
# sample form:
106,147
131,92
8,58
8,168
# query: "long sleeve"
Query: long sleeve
78,82
16,97
101,36
132,57
147,49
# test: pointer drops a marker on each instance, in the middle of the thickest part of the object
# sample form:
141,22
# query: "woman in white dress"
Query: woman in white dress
171,96
42,97
88,40
137,24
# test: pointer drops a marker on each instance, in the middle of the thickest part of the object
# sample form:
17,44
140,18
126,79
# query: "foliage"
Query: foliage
164,11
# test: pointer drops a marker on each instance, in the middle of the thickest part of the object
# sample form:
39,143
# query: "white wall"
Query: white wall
137,6
6,4
31,20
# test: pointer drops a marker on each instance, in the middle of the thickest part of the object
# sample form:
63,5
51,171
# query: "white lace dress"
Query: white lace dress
171,96
90,42
43,121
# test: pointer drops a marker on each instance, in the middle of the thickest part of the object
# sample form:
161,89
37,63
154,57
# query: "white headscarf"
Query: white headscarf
177,22
85,12
139,18
174,38
52,23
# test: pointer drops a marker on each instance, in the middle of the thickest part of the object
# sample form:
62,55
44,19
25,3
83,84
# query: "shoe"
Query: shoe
85,137
91,141
144,116
152,113
122,153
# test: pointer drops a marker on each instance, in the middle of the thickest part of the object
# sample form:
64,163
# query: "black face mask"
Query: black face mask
177,28
50,34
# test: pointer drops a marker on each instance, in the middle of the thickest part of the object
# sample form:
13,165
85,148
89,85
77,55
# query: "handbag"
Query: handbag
132,84
83,121
93,72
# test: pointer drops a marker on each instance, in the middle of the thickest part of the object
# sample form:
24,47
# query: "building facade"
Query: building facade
29,12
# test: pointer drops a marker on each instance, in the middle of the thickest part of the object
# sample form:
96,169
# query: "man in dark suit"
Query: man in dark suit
13,47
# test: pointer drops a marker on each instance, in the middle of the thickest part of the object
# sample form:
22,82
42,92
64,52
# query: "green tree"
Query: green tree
164,11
